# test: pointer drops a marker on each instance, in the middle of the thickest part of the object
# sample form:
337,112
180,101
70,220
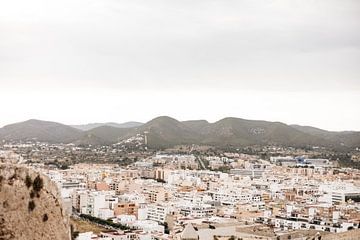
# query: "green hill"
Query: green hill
166,132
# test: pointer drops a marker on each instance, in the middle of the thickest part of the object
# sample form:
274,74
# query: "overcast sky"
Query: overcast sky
80,61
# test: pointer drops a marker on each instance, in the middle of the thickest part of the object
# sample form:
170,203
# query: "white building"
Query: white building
232,197
196,210
157,212
91,203
344,195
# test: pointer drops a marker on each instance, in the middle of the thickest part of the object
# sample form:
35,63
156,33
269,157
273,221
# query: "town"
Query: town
125,191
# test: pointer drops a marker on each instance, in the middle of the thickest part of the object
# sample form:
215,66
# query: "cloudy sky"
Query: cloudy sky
296,61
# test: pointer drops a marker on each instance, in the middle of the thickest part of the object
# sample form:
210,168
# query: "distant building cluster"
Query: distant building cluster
178,196
166,196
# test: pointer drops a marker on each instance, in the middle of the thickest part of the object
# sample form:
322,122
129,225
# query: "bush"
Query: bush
32,194
38,184
105,222
28,181
31,206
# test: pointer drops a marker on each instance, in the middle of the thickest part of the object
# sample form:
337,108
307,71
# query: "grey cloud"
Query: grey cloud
181,44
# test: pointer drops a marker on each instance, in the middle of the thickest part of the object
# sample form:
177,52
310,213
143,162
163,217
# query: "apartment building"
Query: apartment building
125,208
197,210
232,197
156,194
157,212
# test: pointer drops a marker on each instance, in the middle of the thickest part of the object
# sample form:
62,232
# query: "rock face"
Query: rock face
30,206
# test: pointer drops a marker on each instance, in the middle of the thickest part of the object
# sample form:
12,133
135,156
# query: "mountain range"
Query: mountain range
166,132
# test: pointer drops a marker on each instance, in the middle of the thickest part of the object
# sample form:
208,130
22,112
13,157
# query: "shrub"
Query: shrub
31,206
105,222
32,194
28,181
38,184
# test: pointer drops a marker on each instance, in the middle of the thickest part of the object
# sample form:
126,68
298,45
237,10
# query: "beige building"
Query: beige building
126,209
156,194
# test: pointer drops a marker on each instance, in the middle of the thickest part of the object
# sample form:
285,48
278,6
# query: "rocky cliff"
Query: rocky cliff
30,206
